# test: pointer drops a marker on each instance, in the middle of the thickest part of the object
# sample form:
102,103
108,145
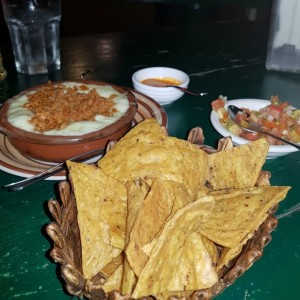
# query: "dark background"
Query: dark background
92,16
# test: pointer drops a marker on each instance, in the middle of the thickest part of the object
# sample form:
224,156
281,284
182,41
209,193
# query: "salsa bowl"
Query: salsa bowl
47,137
168,76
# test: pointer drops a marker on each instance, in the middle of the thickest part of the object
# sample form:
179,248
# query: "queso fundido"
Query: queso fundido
68,108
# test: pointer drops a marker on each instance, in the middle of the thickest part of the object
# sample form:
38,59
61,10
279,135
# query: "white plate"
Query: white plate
253,104
13,162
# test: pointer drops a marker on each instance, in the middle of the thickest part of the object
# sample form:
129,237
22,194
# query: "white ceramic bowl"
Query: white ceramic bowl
256,104
163,95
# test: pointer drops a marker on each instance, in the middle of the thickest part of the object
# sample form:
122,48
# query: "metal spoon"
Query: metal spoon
187,91
254,127
19,185
158,83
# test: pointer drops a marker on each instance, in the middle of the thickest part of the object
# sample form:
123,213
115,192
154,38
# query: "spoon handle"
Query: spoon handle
281,139
19,185
185,90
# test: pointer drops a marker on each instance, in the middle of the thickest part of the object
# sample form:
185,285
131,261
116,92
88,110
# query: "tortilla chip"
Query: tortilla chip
137,191
179,295
238,167
238,213
101,204
211,249
179,261
162,201
112,266
114,281
227,255
129,279
145,152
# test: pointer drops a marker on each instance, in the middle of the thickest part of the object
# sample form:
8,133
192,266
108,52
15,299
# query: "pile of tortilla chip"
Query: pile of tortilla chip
159,216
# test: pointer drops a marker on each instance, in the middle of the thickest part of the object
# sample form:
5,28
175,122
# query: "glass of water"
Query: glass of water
34,32
2,69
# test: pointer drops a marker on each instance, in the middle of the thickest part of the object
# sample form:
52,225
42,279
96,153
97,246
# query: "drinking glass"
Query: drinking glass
34,32
2,69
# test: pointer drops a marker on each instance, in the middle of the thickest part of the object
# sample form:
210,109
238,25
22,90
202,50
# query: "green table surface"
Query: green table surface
225,58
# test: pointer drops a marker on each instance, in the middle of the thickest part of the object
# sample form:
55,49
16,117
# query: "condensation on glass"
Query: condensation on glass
2,69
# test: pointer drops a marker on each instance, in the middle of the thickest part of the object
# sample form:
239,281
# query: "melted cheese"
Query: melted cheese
20,117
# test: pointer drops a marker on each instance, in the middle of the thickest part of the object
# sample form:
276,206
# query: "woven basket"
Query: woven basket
66,251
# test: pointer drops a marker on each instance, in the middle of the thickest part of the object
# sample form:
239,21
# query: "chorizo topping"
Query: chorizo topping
55,106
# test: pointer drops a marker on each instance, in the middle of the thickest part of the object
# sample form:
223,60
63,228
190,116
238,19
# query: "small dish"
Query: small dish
163,95
253,104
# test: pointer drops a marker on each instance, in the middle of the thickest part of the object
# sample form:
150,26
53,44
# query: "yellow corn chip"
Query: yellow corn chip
101,204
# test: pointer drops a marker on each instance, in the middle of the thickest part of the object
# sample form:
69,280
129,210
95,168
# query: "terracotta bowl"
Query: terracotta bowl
58,148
